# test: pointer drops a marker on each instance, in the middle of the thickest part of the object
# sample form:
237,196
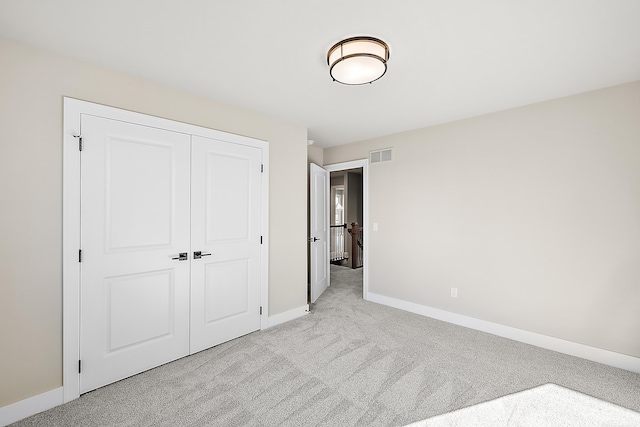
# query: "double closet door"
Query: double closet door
170,237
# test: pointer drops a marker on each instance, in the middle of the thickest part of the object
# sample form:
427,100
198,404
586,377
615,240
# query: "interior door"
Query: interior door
319,239
225,228
135,222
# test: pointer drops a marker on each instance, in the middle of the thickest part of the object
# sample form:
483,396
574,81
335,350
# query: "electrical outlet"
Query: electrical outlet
454,292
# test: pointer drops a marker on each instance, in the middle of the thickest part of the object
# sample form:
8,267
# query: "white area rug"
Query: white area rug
548,405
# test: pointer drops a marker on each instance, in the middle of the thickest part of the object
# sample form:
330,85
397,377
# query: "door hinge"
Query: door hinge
79,366
260,239
79,137
261,168
260,310
79,255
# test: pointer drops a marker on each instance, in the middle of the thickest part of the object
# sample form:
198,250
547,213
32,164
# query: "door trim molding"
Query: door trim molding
71,231
364,164
70,247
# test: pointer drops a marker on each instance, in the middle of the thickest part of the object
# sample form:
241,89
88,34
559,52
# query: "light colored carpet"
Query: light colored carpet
548,405
349,362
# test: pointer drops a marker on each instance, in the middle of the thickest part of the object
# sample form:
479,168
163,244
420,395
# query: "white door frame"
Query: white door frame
73,109
364,164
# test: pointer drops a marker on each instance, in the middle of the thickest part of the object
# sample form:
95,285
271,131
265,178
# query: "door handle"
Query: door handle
199,254
313,239
182,256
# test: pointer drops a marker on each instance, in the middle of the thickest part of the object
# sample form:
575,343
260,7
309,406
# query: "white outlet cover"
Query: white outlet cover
454,292
375,226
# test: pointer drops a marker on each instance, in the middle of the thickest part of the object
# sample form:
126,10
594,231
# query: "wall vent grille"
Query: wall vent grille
378,156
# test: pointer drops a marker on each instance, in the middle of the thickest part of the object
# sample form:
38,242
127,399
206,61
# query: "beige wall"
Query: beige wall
315,155
32,86
532,213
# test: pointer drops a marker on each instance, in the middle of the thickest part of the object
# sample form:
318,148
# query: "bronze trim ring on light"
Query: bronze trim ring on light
347,55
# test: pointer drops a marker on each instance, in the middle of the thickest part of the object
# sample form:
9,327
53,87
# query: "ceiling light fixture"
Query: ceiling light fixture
358,60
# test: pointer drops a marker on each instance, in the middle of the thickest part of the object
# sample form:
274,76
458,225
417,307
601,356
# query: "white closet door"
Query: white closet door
135,220
225,228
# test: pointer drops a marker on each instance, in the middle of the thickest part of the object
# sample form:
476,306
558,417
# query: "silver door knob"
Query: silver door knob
182,256
313,239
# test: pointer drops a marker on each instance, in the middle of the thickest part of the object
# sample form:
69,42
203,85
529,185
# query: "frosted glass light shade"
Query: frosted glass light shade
358,60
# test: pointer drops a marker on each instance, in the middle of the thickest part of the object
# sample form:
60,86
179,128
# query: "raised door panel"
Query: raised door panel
228,197
226,292
155,291
139,193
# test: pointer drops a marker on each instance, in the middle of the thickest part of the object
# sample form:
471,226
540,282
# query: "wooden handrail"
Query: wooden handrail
357,248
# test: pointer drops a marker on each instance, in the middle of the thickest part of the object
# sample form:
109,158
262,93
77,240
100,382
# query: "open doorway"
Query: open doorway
348,219
346,247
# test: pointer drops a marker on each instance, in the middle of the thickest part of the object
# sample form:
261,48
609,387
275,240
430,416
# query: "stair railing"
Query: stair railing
336,248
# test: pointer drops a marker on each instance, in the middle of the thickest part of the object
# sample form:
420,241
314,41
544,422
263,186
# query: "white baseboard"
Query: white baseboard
594,354
277,319
25,408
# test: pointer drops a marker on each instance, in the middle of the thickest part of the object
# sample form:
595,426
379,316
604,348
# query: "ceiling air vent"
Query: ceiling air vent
378,156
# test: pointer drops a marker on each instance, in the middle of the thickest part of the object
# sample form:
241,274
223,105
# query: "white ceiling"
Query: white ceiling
450,59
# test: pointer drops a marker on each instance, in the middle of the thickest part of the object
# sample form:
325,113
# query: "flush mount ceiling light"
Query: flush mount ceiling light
358,60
